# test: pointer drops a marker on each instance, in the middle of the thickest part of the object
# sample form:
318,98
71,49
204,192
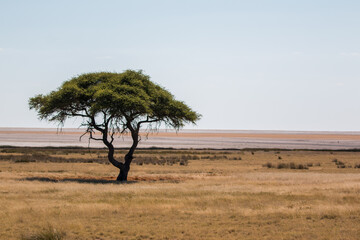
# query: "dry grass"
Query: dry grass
210,198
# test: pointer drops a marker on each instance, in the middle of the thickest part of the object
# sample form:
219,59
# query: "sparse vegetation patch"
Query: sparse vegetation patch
48,233
286,166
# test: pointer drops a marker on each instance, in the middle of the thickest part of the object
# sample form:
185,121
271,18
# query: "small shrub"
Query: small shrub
279,157
282,165
334,160
162,160
357,166
48,233
268,165
39,155
292,165
23,160
328,216
183,163
301,166
309,164
339,163
286,165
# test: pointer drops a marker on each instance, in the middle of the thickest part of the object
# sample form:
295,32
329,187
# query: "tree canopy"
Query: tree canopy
129,95
114,103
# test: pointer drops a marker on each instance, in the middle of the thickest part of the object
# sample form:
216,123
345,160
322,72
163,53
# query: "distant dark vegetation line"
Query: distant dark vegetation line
187,149
84,155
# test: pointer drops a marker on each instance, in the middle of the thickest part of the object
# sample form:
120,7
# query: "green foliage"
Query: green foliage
120,98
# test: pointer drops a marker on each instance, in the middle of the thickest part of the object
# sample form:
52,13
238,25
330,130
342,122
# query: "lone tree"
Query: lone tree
114,103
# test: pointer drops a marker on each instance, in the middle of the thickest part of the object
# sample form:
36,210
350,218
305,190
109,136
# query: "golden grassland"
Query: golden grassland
209,198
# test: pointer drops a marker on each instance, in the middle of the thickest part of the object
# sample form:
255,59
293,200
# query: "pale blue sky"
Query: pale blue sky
261,65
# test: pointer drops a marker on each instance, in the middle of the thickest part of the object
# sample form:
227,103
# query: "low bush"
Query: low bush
328,216
301,166
48,233
163,160
214,157
286,166
340,164
268,165
283,165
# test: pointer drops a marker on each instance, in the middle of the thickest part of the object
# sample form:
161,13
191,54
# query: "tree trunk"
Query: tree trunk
125,168
123,175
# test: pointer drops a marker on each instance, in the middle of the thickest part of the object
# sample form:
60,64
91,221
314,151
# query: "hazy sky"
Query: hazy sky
263,65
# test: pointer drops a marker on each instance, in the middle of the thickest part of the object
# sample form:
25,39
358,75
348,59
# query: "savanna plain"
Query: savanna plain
71,193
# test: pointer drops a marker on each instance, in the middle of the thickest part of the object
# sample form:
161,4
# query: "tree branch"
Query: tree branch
112,137
96,139
147,121
96,126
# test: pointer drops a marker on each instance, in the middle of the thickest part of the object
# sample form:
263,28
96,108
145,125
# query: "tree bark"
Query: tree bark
124,170
122,177
111,150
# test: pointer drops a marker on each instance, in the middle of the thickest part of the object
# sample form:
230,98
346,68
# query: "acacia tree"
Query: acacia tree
114,103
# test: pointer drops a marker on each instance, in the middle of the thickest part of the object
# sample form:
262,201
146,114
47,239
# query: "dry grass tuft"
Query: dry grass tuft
48,233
